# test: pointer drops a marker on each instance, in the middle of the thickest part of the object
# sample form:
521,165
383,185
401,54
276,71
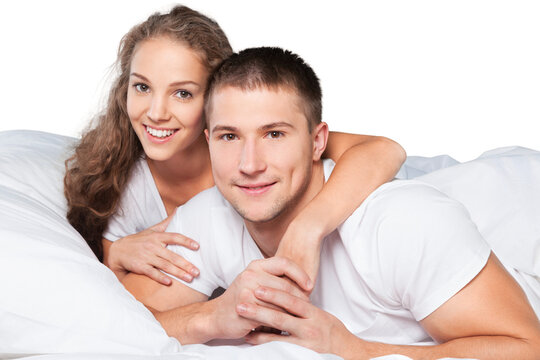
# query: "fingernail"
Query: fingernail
187,277
194,245
242,308
260,291
194,271
309,284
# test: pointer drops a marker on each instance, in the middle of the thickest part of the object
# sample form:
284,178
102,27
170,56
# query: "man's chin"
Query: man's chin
257,217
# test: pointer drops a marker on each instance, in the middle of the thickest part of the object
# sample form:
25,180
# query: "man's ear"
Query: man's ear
320,138
206,134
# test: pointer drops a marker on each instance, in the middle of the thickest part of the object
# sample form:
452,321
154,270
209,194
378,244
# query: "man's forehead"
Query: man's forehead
235,105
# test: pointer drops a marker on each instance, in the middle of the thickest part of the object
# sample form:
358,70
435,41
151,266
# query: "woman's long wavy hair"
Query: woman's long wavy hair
99,170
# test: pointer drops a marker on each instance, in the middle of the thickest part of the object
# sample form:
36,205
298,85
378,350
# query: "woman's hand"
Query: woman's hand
146,253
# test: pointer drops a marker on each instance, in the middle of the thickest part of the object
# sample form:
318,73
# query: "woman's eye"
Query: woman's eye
141,87
228,137
183,94
275,134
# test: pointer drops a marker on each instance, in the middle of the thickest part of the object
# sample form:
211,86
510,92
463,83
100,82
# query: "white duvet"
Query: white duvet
58,302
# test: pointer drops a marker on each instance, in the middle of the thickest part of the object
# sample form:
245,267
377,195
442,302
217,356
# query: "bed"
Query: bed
59,302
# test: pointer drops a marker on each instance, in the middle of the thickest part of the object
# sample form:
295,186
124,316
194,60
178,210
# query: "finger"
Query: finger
177,239
177,262
280,266
268,317
257,338
169,268
284,300
280,283
156,275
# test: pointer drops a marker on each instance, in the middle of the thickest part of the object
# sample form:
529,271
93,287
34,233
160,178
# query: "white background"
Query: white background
454,77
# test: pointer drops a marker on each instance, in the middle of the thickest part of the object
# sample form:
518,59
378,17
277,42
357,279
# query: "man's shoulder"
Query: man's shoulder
204,201
401,200
206,214
401,194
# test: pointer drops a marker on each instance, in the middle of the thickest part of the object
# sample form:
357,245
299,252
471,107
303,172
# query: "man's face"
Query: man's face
261,149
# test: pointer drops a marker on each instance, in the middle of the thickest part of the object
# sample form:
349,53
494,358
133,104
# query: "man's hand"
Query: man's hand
305,324
276,273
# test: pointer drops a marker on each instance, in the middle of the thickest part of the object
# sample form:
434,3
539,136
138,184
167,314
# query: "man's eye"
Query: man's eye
183,94
228,137
275,134
141,87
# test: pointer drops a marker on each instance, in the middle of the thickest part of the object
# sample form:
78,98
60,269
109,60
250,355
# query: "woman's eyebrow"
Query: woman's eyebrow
185,82
176,83
139,76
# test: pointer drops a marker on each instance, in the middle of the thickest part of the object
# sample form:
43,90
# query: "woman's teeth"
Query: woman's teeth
158,133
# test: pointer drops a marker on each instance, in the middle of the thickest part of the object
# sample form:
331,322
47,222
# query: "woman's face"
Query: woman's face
165,97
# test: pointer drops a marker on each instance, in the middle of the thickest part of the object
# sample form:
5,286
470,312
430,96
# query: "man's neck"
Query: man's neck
268,235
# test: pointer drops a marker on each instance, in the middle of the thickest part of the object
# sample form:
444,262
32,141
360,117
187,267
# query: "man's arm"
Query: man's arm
185,314
179,309
490,318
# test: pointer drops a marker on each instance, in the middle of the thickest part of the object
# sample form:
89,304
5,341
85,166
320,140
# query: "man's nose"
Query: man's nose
252,159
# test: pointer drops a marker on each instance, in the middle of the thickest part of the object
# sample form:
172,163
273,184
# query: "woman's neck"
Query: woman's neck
184,175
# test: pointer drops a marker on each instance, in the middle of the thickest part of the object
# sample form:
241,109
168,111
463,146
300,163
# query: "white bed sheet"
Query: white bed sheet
59,301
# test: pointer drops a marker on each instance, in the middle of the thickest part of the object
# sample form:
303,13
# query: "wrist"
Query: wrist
207,325
110,260
351,347
310,225
198,323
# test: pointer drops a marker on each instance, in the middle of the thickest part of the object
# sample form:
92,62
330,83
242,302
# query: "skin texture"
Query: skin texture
489,318
166,93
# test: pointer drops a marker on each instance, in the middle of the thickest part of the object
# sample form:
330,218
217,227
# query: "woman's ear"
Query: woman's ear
320,139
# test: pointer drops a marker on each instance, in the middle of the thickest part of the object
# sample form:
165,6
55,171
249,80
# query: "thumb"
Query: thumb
162,226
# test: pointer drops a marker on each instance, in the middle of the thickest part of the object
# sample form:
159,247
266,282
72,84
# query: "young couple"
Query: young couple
408,265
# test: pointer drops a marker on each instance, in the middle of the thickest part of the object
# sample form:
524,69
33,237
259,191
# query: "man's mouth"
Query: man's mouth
255,189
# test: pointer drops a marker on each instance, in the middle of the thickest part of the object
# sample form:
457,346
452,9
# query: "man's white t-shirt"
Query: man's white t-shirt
403,253
140,205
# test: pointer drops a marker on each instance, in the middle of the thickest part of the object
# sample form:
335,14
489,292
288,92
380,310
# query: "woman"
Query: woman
147,155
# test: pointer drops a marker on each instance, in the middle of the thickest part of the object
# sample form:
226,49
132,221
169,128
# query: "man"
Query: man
408,267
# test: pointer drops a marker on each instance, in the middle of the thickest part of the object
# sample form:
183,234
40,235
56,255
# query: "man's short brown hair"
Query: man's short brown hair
271,68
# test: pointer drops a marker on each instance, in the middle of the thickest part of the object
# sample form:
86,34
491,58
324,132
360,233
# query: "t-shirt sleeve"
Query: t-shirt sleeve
425,247
194,220
140,206
124,221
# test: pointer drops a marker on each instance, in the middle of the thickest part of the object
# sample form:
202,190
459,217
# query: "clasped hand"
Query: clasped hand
272,293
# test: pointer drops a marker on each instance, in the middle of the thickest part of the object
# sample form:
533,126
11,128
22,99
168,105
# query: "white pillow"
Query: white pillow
501,191
56,297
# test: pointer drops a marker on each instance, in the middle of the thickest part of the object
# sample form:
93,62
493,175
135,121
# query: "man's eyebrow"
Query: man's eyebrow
176,83
224,128
274,125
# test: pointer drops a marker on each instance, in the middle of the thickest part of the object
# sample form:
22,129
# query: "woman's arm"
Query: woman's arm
363,163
